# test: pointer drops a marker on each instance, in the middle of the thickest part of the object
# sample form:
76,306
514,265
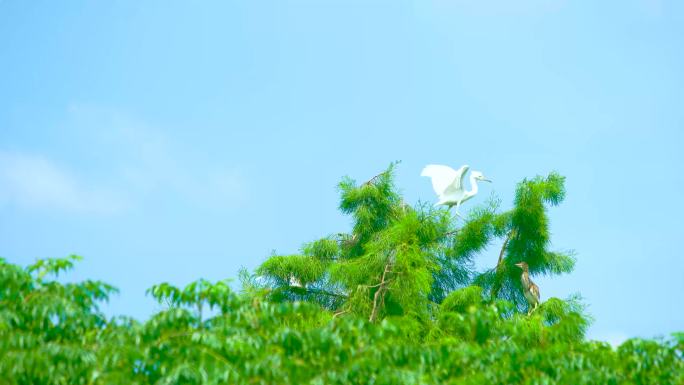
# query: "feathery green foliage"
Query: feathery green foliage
394,301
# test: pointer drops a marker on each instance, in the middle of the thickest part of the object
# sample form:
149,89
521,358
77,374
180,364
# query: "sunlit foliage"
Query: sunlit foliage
394,301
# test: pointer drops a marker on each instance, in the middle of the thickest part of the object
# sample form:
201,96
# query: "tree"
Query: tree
400,260
394,301
47,329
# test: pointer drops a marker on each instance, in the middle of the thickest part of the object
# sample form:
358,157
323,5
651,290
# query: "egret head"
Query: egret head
479,176
522,265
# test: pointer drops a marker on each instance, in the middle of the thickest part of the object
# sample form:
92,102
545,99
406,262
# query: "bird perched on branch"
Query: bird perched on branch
449,184
530,290
294,282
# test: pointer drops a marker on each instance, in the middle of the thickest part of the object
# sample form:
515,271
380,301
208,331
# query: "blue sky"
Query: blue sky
168,141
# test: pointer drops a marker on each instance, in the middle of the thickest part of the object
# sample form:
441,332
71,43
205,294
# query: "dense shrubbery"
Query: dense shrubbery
395,301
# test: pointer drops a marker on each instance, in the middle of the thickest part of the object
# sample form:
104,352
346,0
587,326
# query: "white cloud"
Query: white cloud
139,163
35,182
148,162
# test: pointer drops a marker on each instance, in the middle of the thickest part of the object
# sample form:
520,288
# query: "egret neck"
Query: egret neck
473,185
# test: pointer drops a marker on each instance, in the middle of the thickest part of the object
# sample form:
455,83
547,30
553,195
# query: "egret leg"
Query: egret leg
457,213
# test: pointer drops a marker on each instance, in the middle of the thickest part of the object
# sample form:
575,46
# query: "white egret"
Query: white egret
449,186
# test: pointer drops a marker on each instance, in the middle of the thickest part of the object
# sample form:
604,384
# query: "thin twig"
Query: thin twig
499,264
503,249
452,232
379,297
339,313
371,180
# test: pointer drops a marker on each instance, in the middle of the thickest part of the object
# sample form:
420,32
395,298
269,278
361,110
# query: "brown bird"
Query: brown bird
530,290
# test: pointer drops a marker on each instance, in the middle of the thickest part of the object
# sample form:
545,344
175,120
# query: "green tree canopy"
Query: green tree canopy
400,260
394,301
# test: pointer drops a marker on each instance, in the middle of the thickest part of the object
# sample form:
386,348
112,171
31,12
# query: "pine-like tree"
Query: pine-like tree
403,260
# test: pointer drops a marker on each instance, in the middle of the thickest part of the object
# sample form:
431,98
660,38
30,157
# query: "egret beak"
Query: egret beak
486,180
519,264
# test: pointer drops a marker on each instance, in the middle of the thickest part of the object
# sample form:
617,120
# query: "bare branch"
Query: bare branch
339,313
379,297
499,265
452,232
372,180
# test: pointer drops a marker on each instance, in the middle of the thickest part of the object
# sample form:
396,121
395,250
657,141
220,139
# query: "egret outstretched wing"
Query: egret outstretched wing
445,177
